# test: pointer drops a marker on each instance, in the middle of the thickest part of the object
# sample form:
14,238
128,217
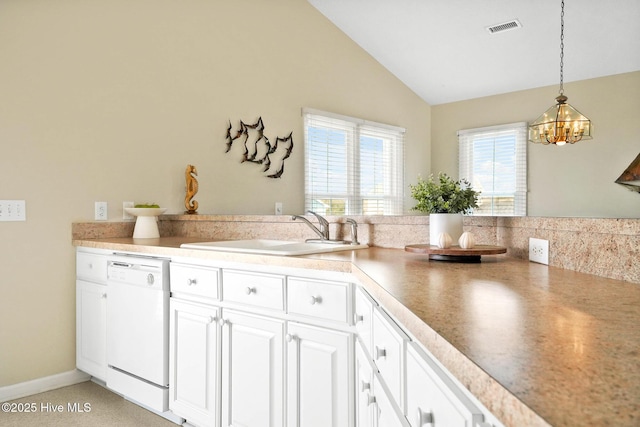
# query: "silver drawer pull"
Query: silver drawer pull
192,282
104,295
424,417
380,353
315,300
249,290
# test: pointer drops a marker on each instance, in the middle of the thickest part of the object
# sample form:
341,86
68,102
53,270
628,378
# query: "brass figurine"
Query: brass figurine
192,189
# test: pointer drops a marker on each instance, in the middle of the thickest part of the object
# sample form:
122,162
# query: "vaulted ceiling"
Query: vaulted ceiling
443,51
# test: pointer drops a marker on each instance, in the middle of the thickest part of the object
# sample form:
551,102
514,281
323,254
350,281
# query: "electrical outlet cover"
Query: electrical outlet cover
101,211
539,250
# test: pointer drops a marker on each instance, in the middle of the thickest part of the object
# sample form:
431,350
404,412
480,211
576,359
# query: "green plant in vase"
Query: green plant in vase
445,200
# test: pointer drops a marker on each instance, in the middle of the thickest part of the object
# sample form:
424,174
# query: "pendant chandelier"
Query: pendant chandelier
561,123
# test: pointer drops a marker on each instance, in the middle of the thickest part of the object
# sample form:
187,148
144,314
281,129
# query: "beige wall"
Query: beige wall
110,100
573,180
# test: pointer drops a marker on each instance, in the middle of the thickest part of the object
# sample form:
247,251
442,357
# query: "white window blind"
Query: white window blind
352,166
494,160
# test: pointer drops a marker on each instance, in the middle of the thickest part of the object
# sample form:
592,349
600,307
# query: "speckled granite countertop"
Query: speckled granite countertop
537,345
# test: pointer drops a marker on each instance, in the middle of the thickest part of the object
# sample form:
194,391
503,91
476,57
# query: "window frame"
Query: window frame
465,163
392,199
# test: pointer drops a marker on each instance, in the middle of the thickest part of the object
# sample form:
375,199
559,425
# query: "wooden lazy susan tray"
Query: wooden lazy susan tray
456,253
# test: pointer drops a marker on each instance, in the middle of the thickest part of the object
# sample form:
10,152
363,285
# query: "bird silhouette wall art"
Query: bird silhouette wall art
258,149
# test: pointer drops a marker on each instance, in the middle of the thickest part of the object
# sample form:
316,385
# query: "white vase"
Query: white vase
444,223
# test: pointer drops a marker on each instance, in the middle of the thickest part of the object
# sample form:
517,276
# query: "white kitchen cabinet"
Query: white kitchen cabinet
433,399
91,312
91,328
252,370
365,405
363,318
389,346
319,377
387,414
194,370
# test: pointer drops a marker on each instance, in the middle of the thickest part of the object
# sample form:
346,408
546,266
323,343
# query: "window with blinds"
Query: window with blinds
352,166
494,160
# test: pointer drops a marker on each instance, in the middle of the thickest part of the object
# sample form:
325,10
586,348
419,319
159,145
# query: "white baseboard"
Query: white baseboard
39,385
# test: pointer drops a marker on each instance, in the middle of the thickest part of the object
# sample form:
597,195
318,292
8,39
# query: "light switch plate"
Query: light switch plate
13,210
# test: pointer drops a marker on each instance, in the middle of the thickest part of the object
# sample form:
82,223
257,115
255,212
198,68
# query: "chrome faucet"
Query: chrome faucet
354,231
323,232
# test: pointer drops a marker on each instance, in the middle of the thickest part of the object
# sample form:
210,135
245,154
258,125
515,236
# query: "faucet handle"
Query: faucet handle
324,225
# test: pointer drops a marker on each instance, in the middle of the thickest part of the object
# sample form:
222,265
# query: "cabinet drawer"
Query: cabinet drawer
318,298
362,318
433,396
389,346
254,289
195,280
91,267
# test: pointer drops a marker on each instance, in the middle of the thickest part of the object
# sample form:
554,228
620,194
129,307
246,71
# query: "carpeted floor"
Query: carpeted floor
84,404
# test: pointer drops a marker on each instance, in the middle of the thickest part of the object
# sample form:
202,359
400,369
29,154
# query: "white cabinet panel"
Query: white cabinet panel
252,370
91,328
362,318
194,368
319,380
320,299
365,399
253,289
389,343
387,414
91,266
433,399
195,280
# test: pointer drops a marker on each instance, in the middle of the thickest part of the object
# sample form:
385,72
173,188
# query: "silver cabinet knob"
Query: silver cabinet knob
371,399
380,353
192,282
222,322
290,337
104,295
357,318
315,300
424,417
212,319
249,290
365,385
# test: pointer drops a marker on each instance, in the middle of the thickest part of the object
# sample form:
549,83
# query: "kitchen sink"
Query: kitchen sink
273,247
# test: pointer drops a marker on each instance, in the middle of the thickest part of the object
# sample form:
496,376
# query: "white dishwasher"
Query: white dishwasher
138,331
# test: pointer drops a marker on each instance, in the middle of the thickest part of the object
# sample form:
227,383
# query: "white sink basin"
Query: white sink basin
272,247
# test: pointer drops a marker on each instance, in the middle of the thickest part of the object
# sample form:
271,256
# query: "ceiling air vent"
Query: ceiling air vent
505,26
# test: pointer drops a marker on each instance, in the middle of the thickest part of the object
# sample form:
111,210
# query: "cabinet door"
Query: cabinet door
389,342
362,318
319,380
91,328
432,398
365,399
252,370
387,415
193,362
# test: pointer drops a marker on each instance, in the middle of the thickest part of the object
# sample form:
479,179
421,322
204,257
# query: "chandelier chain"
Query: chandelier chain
562,49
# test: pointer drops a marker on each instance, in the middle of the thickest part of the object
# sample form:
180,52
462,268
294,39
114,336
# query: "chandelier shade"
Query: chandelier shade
560,124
